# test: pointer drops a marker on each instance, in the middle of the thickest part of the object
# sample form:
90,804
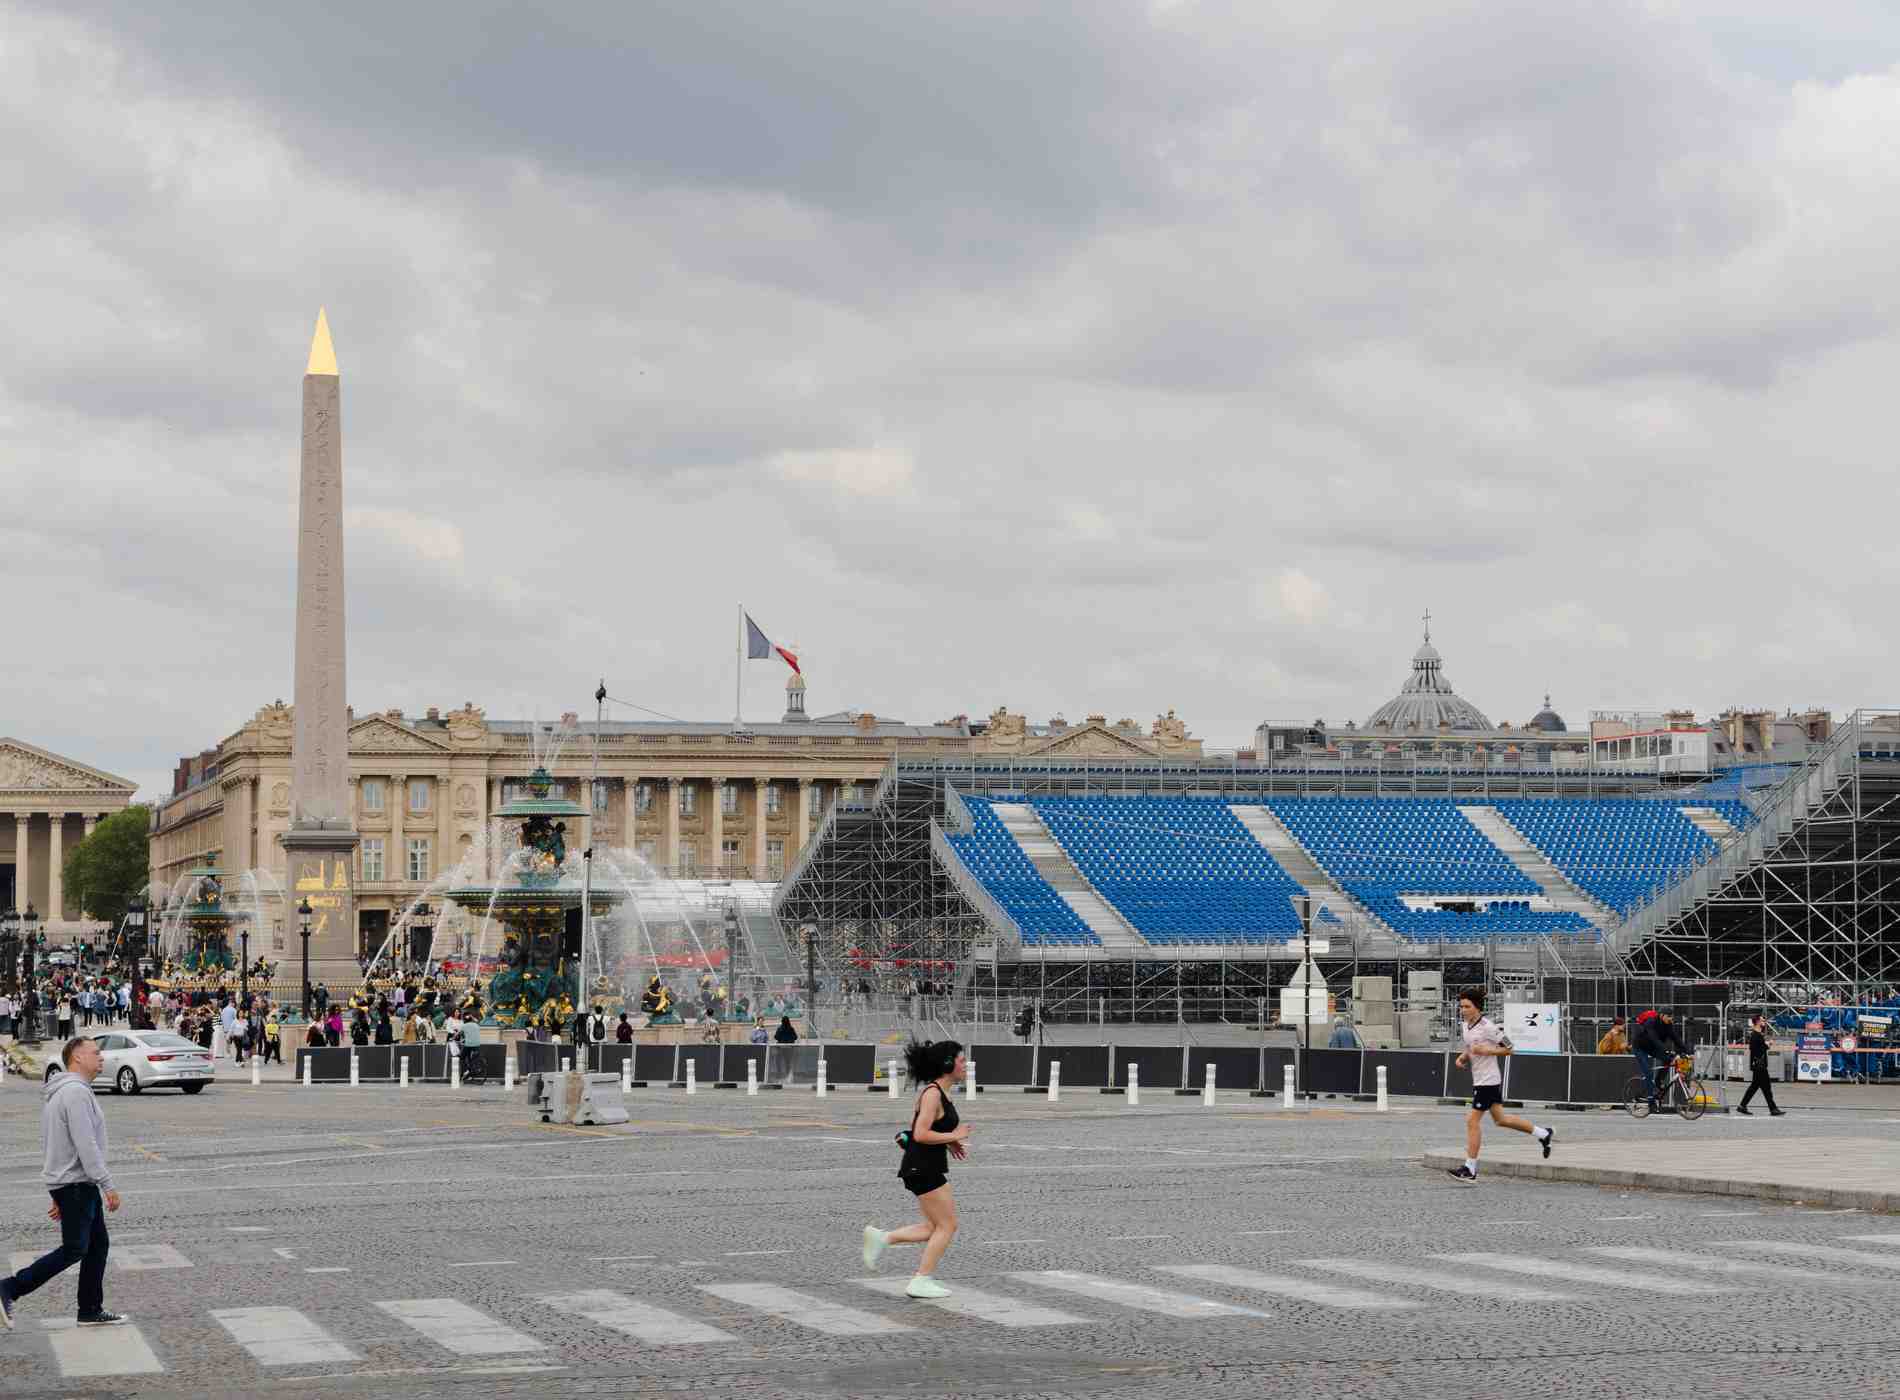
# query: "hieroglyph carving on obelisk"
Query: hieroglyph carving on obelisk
320,753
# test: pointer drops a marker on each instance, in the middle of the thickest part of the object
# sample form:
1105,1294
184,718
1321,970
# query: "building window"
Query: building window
601,788
418,859
372,794
643,798
728,855
418,794
775,859
728,800
689,857
689,799
372,858
774,800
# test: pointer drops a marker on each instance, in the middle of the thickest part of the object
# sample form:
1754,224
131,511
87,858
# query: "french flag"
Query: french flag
759,647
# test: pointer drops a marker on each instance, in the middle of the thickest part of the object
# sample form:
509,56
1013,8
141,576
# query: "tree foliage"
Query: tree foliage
105,870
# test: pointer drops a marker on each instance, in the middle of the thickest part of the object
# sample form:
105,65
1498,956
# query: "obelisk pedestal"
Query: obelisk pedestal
320,847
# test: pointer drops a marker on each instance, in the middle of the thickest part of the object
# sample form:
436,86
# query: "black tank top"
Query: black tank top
936,1156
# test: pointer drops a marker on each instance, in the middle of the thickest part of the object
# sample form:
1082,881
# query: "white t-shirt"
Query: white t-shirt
1485,1069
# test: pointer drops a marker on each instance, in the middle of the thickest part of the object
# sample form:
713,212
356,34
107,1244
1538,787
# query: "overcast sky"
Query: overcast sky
1105,357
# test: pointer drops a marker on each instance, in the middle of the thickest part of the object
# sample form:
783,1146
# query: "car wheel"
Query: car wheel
128,1080
191,1088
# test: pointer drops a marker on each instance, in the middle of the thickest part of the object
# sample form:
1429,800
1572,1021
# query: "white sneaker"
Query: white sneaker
875,1241
924,1286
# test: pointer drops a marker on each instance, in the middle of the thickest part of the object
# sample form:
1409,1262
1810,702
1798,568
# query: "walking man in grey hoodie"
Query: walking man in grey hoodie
76,1177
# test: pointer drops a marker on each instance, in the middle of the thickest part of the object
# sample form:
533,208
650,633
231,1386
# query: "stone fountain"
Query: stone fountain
536,892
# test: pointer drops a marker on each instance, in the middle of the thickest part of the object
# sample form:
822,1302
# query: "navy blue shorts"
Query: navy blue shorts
1484,1096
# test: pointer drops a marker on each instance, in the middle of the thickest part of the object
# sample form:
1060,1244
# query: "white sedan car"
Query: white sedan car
135,1060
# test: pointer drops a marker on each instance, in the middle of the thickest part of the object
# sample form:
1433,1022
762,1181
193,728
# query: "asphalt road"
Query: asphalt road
376,1241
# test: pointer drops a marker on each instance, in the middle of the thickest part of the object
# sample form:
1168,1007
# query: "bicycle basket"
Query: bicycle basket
1685,1064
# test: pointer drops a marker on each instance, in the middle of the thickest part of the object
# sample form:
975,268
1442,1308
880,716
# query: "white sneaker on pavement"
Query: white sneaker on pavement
875,1241
924,1286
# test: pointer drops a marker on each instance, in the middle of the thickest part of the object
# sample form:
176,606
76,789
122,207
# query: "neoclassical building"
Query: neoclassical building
48,803
689,798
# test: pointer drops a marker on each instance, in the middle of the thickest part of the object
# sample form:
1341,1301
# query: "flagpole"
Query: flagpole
738,671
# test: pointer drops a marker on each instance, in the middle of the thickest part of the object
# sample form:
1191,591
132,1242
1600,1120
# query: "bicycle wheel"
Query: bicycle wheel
1696,1099
1636,1097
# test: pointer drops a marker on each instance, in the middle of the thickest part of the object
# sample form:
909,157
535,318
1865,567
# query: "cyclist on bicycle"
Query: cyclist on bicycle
1655,1042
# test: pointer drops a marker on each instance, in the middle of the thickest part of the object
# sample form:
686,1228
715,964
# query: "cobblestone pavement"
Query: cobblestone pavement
279,1241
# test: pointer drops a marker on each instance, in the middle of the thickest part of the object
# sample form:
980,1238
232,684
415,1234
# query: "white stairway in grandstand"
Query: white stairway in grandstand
1710,823
1535,866
1284,847
1054,865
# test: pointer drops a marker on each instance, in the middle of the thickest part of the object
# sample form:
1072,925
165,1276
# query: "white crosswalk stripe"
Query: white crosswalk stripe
1442,1280
1584,1273
1734,1268
457,1327
281,1336
84,1352
1134,1295
1326,1295
803,1309
134,1257
644,1323
1887,1239
987,1307
1816,1253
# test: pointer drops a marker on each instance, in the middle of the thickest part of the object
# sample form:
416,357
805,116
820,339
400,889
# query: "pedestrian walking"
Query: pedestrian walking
786,1034
64,1015
1758,1069
1616,1040
934,1136
75,1173
1486,1047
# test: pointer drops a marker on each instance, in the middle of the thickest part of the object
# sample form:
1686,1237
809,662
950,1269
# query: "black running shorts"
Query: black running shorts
924,1185
1485,1096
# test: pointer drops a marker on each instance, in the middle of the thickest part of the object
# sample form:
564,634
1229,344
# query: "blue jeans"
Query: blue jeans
82,1241
1646,1066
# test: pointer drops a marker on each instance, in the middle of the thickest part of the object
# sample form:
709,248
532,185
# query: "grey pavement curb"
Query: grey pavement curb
1886,1202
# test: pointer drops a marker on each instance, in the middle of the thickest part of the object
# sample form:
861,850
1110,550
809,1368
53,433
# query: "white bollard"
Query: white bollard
455,1071
626,1075
890,1077
692,1076
308,1060
1055,1080
1134,1086
353,1079
508,1073
1286,1089
823,1087
1207,1089
256,1078
1382,1088
402,1075
567,1064
752,1078
969,1078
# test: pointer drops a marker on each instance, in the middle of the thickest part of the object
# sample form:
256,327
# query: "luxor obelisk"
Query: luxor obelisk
320,846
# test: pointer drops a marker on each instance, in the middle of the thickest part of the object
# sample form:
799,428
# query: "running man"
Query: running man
1485,1049
935,1136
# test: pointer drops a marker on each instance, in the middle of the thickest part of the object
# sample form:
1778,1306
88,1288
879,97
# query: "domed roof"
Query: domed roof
1427,702
1547,720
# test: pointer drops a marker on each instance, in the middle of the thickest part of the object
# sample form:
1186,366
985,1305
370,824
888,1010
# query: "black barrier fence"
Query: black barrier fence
1234,1067
1598,1079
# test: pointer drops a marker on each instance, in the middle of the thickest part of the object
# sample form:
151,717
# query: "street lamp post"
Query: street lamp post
303,932
30,994
244,965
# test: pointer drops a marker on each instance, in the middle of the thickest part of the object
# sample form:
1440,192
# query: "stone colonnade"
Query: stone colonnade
40,840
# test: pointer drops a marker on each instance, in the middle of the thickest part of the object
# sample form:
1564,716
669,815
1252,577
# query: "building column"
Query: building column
670,801
629,817
55,863
759,785
802,833
396,863
716,788
22,861
92,822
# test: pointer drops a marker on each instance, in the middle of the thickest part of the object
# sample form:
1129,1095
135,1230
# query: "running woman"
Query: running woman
935,1136
1485,1049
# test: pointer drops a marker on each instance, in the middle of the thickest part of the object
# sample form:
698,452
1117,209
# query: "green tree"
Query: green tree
106,869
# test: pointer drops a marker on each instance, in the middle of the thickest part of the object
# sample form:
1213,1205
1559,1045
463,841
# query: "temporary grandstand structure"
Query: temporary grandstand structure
1172,883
